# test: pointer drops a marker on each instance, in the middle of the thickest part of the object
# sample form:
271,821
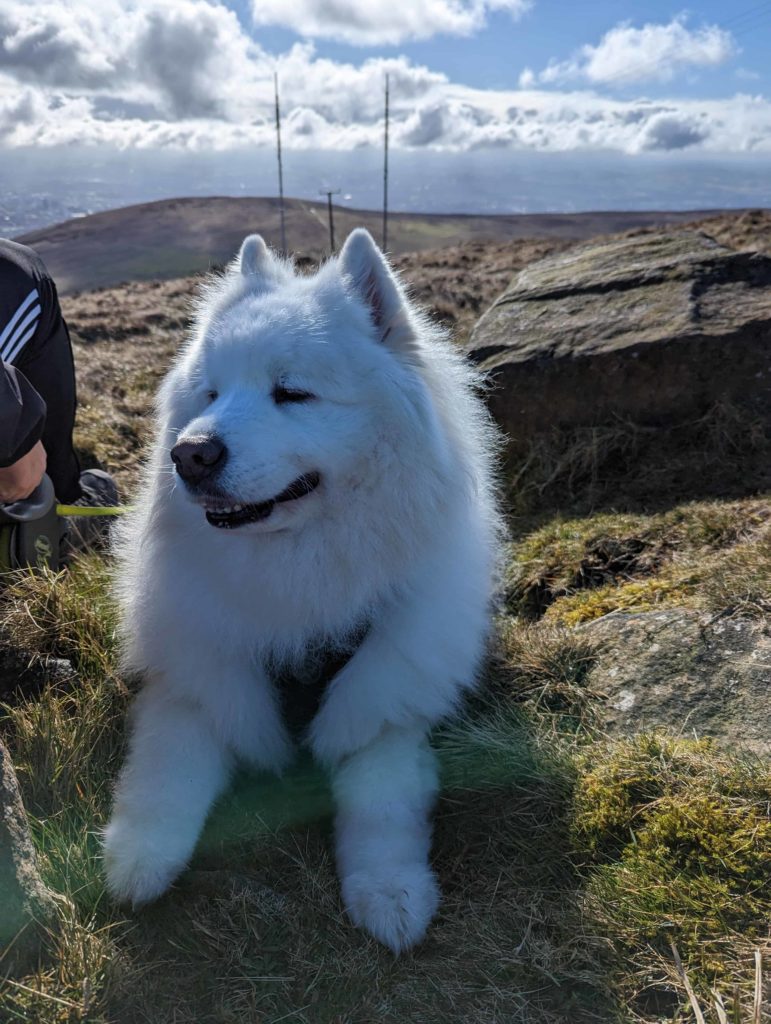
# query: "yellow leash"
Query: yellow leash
92,510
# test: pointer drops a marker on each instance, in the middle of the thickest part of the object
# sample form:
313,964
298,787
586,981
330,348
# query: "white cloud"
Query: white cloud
194,54
348,93
381,22
672,131
185,74
45,43
186,56
185,59
652,53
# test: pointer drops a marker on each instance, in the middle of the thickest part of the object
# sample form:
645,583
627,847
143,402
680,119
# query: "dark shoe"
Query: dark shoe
87,533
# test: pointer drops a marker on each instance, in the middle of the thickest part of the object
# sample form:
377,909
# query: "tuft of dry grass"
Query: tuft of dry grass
721,1011
68,614
739,582
628,466
543,668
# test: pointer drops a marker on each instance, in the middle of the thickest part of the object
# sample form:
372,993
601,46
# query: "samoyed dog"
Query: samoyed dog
322,480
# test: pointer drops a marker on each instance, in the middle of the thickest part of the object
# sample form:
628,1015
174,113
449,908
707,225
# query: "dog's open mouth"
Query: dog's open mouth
228,517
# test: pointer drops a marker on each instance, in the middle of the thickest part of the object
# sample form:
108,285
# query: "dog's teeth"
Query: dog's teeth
237,508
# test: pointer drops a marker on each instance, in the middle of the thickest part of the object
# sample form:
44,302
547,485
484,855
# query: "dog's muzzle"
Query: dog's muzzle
229,517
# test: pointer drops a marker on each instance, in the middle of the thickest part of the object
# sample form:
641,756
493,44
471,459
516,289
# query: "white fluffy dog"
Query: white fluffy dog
321,480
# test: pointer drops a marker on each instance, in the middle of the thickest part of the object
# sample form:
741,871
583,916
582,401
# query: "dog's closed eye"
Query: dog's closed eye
283,395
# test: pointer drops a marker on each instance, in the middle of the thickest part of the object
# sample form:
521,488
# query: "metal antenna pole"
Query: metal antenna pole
280,166
329,192
385,172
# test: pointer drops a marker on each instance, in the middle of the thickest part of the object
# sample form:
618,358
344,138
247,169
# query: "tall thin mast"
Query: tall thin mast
280,166
385,171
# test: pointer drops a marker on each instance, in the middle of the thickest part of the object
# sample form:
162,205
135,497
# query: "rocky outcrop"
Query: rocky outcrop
26,905
684,672
653,329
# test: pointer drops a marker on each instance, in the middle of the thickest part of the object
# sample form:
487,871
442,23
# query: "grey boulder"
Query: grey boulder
686,672
653,329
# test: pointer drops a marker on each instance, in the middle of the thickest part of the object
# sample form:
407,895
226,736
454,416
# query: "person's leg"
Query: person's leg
47,364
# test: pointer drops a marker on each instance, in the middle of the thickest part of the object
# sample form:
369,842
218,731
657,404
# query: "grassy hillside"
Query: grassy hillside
570,864
175,237
586,878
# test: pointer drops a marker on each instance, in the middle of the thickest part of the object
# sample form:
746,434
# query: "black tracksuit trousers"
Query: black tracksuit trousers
37,378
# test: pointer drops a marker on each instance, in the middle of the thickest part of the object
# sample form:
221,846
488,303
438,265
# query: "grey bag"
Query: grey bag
30,530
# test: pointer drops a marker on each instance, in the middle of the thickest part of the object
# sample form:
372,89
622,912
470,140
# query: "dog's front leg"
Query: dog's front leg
384,795
417,659
175,769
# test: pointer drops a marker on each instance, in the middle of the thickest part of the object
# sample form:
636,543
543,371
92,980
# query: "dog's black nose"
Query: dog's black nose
198,457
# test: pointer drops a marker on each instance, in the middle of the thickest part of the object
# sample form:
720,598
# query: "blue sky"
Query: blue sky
538,75
494,57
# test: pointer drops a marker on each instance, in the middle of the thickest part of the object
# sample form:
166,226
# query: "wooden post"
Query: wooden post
329,193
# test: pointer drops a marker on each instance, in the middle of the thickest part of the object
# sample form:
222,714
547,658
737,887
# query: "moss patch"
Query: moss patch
680,839
699,554
639,595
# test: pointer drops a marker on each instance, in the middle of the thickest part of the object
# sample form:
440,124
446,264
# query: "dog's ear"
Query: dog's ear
254,257
374,283
259,265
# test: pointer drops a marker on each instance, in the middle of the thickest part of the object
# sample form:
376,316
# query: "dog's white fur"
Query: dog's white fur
402,534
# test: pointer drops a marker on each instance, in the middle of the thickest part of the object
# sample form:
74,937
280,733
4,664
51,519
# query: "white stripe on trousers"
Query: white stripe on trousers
10,327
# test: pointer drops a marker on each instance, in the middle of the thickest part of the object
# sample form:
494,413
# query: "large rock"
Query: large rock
685,672
26,905
655,329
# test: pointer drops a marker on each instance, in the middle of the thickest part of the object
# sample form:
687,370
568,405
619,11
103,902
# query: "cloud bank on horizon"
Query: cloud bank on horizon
192,74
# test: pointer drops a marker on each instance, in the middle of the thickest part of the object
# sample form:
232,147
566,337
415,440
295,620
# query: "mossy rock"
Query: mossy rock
599,354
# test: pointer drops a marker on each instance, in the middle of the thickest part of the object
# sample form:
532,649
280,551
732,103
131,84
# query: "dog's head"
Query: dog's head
297,392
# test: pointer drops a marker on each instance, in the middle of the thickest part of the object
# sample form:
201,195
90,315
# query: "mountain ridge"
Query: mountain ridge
176,237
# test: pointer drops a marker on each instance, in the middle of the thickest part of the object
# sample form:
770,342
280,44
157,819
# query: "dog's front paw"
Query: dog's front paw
396,907
343,725
137,867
